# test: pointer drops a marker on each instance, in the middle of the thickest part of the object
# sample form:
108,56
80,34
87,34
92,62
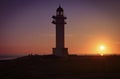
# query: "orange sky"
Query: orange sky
26,27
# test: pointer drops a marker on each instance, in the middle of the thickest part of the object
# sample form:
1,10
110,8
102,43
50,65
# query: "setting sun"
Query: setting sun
102,47
102,50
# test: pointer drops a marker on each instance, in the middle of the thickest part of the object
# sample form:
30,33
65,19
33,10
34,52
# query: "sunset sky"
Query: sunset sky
25,26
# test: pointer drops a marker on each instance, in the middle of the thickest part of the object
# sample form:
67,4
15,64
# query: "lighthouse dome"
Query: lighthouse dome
59,9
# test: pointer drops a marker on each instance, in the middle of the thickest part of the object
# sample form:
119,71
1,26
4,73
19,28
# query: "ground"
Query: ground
52,67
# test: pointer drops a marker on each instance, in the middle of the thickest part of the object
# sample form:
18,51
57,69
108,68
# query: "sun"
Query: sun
101,50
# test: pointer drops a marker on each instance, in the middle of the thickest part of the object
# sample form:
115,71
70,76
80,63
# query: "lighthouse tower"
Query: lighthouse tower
59,21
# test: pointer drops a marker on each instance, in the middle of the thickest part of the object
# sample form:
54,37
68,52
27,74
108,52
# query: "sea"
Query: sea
8,57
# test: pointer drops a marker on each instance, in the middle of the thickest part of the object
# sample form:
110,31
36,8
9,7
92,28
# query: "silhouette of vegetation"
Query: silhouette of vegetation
53,67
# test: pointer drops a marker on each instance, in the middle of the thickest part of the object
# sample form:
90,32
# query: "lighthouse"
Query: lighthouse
59,21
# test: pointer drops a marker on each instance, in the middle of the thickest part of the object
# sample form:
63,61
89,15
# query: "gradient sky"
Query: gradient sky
25,26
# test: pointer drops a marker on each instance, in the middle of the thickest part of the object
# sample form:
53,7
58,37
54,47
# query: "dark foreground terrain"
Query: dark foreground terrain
52,67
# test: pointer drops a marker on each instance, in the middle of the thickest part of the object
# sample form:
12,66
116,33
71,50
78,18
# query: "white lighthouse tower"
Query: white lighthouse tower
59,21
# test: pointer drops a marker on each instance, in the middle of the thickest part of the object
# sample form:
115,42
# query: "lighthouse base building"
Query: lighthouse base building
60,52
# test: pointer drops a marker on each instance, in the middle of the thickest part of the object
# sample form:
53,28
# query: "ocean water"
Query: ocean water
8,57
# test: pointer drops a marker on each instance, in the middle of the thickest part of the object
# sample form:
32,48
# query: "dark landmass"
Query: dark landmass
52,67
